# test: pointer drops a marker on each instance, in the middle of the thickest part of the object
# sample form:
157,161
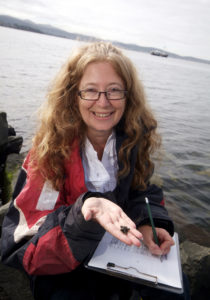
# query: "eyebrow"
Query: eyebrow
115,83
110,84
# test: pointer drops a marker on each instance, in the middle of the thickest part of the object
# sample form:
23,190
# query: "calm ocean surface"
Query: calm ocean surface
178,91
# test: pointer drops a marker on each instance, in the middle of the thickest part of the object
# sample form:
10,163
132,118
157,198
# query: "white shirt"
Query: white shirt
100,176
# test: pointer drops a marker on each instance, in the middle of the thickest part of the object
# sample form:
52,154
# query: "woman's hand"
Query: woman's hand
165,240
110,216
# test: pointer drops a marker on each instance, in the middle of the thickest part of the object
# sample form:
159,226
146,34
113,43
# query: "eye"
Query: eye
114,89
90,90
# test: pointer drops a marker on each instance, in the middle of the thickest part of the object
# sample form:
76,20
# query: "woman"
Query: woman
88,171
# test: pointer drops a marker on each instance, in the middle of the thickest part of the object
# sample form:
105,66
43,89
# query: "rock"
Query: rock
3,128
14,285
13,166
14,144
196,265
195,234
3,211
3,294
9,143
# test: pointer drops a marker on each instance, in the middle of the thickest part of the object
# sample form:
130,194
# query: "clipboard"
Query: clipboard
137,264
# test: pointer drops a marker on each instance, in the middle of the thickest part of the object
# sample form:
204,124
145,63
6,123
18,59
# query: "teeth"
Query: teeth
102,115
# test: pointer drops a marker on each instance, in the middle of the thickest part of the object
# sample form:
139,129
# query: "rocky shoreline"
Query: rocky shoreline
194,250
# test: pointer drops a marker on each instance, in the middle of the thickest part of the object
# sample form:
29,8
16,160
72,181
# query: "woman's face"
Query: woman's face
102,115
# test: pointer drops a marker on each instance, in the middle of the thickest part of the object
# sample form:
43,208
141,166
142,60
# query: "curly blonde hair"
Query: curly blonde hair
61,122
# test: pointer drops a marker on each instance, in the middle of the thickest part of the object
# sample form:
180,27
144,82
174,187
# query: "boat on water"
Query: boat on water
159,53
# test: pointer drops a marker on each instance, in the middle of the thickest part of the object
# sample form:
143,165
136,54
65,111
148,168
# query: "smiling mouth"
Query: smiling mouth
102,115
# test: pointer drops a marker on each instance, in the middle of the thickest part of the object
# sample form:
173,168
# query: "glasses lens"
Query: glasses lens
115,95
89,95
94,95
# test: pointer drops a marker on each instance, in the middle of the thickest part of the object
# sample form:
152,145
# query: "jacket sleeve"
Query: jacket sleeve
137,209
41,233
133,200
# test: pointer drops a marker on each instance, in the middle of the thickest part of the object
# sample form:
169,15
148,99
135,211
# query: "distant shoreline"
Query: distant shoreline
27,25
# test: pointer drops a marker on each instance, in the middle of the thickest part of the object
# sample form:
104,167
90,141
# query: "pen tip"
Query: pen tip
146,199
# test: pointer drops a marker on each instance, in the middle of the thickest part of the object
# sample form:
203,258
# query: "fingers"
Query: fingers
90,208
135,238
132,237
127,219
164,238
153,248
111,217
160,250
87,213
165,248
166,242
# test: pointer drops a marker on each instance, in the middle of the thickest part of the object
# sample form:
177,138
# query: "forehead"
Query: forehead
100,72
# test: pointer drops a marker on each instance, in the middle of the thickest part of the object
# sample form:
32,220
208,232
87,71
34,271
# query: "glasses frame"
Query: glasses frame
106,95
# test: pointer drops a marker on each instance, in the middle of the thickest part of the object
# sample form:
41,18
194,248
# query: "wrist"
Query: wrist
92,194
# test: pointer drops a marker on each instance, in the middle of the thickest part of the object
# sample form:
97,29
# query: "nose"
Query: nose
103,101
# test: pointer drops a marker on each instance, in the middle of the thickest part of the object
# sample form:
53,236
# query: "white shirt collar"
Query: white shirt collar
100,175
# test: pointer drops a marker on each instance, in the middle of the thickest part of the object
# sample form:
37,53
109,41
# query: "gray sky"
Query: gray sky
179,26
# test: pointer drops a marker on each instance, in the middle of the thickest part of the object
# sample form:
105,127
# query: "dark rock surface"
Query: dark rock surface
196,264
14,285
9,143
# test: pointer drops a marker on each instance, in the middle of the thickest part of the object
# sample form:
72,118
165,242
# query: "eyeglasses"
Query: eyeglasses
93,95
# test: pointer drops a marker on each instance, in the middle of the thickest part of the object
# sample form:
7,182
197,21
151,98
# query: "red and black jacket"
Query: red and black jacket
44,231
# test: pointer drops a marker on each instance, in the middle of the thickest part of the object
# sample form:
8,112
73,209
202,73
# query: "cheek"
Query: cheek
121,110
84,107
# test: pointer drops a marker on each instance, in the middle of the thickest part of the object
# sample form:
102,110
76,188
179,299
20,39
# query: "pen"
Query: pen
152,222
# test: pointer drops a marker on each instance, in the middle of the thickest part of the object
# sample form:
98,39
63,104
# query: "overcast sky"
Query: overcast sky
179,26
